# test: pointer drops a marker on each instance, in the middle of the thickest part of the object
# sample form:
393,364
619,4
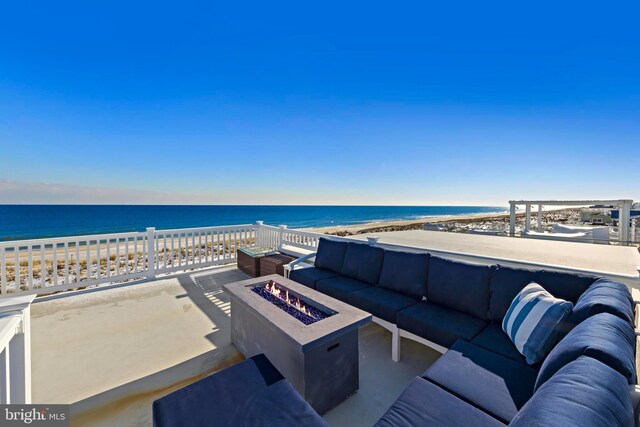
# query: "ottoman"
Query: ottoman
250,393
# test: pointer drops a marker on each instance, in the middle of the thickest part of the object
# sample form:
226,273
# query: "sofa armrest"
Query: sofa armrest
298,263
635,295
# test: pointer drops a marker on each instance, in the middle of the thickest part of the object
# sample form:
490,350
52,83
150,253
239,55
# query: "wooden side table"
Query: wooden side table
274,264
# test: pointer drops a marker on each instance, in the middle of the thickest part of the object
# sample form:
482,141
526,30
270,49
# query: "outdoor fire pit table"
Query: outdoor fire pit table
311,338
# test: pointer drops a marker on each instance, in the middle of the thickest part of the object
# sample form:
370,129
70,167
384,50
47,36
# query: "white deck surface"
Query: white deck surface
623,260
109,353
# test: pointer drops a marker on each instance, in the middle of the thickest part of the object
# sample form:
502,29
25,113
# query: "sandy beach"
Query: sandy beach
495,222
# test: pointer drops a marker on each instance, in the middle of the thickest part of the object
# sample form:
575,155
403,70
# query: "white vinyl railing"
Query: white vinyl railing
182,249
281,237
15,350
49,265
43,266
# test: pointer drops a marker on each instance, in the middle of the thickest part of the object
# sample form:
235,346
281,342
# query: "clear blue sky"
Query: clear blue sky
318,103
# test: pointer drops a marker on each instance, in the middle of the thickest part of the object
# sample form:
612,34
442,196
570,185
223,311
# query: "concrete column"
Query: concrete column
527,218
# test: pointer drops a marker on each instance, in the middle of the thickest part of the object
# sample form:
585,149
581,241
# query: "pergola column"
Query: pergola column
625,219
539,217
512,218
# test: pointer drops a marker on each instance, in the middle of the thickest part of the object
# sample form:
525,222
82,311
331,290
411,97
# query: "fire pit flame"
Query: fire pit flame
305,311
273,289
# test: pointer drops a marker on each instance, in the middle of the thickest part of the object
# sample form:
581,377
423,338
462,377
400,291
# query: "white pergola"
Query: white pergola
624,205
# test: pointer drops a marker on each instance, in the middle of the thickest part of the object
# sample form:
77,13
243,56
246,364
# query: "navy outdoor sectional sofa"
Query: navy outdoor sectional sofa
482,379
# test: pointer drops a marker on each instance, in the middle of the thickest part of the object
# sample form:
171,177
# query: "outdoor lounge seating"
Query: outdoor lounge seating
588,378
482,379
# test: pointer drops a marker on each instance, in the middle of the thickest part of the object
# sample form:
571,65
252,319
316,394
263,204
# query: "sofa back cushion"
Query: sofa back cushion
534,321
330,255
604,337
363,262
405,272
459,286
586,392
567,286
604,296
506,282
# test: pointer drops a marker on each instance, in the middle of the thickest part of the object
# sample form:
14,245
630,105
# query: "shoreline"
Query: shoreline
456,223
29,222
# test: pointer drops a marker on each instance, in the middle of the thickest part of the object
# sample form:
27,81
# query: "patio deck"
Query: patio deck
617,260
110,352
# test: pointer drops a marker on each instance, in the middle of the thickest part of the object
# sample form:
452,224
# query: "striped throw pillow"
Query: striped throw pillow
534,321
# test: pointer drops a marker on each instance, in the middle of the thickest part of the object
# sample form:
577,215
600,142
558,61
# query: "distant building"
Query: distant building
601,219
595,216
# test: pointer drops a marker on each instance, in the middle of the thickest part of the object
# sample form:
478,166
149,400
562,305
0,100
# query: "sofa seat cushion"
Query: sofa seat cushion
494,339
330,255
489,381
405,272
425,404
440,325
363,262
249,393
584,393
535,320
310,275
459,286
340,287
604,296
380,302
603,337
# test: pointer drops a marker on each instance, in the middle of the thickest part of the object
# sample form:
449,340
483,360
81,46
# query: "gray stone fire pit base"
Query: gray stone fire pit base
320,360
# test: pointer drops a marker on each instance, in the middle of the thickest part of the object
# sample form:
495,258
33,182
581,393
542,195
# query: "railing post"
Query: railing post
260,234
281,229
151,252
373,241
527,220
19,349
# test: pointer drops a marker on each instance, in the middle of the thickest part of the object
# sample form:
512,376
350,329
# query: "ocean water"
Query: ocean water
38,221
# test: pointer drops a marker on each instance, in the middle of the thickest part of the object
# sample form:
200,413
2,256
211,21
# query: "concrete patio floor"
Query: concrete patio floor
612,259
110,352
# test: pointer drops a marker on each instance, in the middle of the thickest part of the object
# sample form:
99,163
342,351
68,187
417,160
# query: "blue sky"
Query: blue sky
324,103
